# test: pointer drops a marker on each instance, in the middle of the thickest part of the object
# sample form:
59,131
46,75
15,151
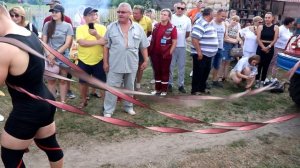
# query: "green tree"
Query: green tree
145,3
11,1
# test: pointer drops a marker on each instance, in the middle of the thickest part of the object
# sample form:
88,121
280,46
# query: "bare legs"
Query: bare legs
10,142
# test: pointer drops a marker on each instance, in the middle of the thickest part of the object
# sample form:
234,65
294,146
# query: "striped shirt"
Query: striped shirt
207,36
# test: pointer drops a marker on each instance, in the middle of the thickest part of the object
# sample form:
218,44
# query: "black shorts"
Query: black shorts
96,70
24,129
69,76
141,58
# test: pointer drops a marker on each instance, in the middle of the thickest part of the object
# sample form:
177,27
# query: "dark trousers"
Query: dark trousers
265,60
161,68
201,69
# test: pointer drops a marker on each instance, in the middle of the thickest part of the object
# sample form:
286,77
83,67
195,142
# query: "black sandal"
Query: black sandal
95,95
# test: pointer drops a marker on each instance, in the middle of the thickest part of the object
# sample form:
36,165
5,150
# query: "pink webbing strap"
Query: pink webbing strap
79,73
243,125
292,71
53,75
26,48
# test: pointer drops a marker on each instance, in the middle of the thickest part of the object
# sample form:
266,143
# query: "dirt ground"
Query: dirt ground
232,149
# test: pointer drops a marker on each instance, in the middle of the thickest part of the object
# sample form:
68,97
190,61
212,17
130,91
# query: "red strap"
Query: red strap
82,75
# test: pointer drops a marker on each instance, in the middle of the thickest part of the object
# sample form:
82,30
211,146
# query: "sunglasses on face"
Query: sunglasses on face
180,8
15,15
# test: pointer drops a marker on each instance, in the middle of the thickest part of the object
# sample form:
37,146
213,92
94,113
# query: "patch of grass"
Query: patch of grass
267,138
107,165
198,150
275,164
238,144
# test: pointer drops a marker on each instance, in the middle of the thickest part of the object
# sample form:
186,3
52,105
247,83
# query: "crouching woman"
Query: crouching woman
245,69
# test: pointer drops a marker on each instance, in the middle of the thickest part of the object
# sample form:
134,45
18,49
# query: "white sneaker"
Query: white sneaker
131,112
191,74
1,118
267,81
274,80
163,94
154,92
152,81
107,115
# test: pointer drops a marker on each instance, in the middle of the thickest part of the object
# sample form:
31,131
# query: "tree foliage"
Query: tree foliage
33,2
145,3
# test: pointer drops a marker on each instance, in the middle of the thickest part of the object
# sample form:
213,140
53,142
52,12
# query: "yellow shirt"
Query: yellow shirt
94,54
145,22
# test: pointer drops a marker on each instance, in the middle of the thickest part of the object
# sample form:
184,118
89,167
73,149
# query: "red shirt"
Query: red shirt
159,35
66,19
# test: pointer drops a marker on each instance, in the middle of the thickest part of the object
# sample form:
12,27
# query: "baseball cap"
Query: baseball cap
89,10
52,2
57,8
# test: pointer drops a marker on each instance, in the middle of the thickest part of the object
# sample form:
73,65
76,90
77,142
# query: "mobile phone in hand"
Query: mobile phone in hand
91,26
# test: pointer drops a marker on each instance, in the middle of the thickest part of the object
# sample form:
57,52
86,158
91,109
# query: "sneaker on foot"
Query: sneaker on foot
273,80
131,112
107,115
205,92
97,95
217,84
170,88
191,74
181,89
1,118
163,94
208,85
70,95
152,81
155,92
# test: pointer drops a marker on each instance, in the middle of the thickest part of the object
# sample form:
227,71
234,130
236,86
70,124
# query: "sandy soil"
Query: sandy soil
158,150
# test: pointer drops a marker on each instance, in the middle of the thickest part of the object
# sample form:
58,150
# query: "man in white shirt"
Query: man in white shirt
219,25
184,26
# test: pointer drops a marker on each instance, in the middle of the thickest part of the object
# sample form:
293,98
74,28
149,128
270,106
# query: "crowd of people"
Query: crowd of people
118,54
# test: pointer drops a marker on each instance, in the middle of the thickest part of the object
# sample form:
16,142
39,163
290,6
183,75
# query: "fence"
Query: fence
37,13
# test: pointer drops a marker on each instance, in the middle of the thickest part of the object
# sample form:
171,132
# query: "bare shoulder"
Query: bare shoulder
7,51
6,58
